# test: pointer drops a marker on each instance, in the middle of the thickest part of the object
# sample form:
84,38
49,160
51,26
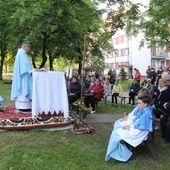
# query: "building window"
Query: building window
117,40
122,39
123,52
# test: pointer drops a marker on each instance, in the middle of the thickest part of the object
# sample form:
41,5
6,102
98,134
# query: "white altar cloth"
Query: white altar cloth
49,93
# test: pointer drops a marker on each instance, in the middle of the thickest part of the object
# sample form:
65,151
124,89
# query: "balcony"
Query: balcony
162,54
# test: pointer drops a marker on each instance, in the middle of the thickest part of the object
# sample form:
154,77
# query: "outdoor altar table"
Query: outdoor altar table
49,93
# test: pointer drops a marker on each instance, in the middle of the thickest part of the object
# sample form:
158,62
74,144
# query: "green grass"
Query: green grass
125,84
60,150
5,91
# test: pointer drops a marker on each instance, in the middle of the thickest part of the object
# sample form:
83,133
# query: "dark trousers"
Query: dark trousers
158,112
72,99
114,96
90,100
132,97
165,128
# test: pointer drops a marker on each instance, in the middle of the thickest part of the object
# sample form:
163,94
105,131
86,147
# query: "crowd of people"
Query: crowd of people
94,88
112,87
150,97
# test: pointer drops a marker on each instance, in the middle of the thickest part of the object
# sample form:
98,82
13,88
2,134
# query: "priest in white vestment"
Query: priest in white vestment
21,90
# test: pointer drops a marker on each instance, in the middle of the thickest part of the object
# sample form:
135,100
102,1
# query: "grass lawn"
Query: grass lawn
60,150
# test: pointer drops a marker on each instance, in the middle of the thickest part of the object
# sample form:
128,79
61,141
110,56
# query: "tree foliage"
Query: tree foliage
118,12
69,29
54,28
153,22
5,12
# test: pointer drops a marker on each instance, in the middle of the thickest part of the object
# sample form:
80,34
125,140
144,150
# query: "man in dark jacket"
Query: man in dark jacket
148,72
153,75
134,89
75,91
112,76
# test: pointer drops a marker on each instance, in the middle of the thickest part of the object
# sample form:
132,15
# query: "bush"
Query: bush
123,74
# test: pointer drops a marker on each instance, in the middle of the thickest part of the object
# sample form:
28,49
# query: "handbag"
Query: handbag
89,94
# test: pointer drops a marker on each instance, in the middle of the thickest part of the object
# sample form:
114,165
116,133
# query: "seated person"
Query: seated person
116,92
107,91
87,82
162,96
150,87
134,89
92,81
143,84
133,129
75,91
102,82
94,93
165,123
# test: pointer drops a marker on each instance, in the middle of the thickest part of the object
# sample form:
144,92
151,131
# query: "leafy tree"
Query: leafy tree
64,28
5,11
57,28
117,13
154,23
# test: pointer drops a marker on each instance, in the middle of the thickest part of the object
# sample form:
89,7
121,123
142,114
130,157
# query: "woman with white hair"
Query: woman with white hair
162,96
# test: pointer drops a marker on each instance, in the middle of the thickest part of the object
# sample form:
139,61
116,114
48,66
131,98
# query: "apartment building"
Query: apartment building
129,56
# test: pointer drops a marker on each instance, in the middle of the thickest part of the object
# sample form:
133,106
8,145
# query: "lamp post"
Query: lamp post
115,61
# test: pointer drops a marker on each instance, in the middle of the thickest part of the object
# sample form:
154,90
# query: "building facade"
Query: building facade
128,55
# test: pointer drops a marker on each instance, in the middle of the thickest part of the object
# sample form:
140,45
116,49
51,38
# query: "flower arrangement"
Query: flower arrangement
81,108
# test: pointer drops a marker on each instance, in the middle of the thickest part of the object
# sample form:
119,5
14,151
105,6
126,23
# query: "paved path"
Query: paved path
105,118
102,118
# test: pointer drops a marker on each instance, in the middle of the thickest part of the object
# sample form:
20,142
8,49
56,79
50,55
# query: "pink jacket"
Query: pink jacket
137,75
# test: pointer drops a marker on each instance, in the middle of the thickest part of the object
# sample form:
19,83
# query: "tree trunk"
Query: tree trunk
44,57
3,54
80,58
33,62
51,63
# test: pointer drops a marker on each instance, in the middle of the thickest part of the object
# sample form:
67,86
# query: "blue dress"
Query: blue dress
142,121
117,150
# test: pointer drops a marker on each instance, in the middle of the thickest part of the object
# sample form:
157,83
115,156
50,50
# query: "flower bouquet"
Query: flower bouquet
82,109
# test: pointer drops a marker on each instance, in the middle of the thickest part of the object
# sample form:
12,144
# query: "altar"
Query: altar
49,93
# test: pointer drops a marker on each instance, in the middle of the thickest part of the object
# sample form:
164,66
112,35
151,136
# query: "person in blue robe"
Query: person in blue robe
21,90
132,129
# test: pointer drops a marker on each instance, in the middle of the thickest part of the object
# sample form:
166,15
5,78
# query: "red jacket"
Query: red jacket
98,91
